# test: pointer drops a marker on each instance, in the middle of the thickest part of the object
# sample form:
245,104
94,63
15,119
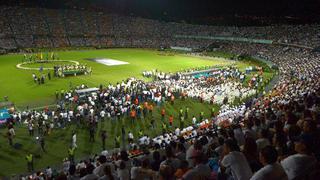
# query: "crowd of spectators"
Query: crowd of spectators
87,28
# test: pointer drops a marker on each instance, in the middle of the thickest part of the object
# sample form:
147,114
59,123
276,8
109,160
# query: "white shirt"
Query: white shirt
238,134
270,171
102,113
189,154
74,139
123,174
194,120
177,131
130,136
297,164
238,164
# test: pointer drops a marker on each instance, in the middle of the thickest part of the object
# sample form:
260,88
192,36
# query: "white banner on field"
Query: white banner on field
110,62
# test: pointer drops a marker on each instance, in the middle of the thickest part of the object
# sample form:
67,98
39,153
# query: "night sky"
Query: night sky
184,9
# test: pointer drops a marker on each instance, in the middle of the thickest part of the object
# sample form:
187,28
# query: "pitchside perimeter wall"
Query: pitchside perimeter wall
237,39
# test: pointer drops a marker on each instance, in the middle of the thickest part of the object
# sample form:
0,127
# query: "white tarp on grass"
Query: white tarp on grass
110,62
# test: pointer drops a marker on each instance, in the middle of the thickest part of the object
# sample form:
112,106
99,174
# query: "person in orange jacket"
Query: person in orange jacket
133,115
163,113
171,120
172,99
150,108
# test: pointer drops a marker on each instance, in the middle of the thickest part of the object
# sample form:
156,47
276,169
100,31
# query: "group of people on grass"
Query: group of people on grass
75,69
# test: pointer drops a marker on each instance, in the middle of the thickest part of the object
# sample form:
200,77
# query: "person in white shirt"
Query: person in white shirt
233,159
194,120
74,140
123,172
272,169
102,114
130,136
177,131
299,165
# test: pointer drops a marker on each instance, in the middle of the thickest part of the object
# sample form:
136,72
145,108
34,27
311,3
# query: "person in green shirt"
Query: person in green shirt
212,112
186,113
29,159
182,122
61,94
180,112
201,116
57,94
164,128
71,153
117,141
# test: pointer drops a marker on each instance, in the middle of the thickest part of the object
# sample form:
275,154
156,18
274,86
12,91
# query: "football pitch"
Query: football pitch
21,89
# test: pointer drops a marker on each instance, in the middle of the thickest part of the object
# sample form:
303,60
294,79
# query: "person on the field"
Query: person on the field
74,140
132,115
180,112
49,75
130,137
150,108
117,141
71,153
171,120
186,113
145,110
42,143
152,122
194,120
201,116
163,113
10,138
164,128
172,99
30,129
29,159
212,112
91,133
103,139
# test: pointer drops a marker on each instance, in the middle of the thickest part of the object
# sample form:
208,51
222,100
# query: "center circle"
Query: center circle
22,65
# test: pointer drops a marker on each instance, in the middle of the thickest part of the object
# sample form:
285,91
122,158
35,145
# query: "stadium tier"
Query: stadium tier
40,28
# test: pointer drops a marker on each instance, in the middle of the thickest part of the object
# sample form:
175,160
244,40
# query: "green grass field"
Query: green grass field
18,85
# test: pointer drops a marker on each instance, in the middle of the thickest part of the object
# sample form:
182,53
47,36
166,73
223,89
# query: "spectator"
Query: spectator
108,175
235,161
123,172
170,160
89,173
201,169
263,140
155,164
166,173
271,169
182,170
299,165
250,151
